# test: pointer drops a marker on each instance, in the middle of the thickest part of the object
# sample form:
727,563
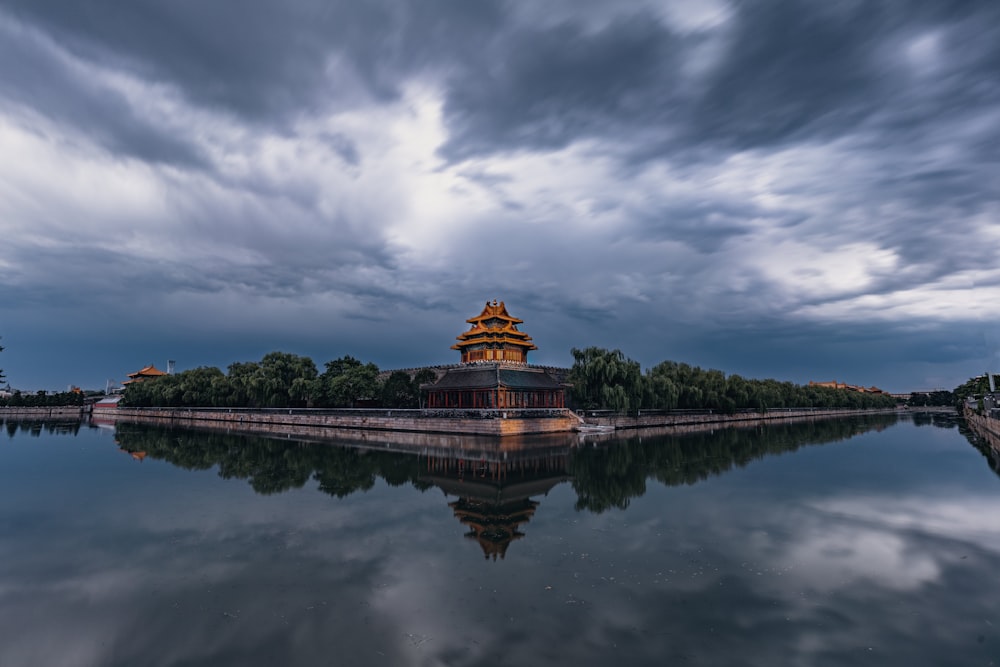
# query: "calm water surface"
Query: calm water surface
847,542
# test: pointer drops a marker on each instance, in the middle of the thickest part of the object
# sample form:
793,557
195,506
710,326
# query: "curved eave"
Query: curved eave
519,343
493,335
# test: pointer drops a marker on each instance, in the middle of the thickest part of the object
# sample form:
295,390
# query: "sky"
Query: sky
796,190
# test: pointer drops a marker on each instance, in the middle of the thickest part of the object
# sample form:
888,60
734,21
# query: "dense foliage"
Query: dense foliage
974,387
280,380
42,399
601,379
929,398
604,379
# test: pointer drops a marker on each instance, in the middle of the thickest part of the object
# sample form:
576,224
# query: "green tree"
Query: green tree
345,382
246,380
287,379
205,386
1,370
973,388
400,391
605,379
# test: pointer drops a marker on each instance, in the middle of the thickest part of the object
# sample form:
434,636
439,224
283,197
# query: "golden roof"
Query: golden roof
148,371
494,310
505,330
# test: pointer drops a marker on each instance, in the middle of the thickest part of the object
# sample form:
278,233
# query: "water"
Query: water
848,542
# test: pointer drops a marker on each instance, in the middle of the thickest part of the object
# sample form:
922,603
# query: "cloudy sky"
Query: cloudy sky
790,189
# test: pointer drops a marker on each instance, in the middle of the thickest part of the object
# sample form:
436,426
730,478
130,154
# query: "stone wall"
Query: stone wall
275,421
989,427
471,422
653,419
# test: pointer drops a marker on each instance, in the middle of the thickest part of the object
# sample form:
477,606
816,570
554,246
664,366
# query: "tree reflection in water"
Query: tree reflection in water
494,486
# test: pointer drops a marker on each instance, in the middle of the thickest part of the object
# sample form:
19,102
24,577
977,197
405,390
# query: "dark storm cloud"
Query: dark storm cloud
32,77
543,88
252,66
805,351
782,70
266,61
785,70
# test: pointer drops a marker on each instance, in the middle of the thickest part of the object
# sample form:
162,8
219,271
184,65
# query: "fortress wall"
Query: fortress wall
657,419
382,420
989,427
489,423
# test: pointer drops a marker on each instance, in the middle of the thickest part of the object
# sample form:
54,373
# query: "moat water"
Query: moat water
871,541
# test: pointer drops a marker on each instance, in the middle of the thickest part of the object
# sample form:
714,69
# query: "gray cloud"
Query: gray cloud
647,176
33,77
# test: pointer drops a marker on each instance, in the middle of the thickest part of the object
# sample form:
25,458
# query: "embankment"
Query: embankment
987,427
657,419
282,422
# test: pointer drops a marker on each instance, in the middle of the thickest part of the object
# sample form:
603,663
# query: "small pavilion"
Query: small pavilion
146,373
494,372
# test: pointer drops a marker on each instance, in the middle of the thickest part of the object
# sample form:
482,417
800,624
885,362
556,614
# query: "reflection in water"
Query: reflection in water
494,496
985,442
948,419
609,477
873,552
496,481
35,427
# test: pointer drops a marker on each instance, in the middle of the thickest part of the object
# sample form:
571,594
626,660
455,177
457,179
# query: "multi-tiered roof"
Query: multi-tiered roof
494,336
486,378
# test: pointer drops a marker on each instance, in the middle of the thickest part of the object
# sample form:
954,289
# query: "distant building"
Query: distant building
850,387
146,373
494,372
108,402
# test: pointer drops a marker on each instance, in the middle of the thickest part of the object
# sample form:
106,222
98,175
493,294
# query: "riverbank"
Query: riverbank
285,422
988,427
660,419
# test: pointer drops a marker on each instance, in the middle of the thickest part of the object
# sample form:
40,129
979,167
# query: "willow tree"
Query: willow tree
605,379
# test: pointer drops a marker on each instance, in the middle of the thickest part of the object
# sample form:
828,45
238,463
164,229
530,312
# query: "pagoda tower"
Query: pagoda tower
494,373
494,336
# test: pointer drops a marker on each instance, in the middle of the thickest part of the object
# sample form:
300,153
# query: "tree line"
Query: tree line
281,380
975,388
607,379
42,399
600,379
